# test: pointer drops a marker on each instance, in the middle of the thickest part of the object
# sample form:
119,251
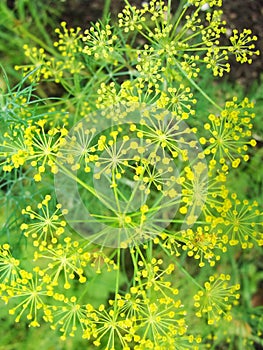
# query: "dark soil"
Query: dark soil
242,14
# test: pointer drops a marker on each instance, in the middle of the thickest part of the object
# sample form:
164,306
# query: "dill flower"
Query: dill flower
131,18
216,299
46,224
63,61
136,173
111,327
69,40
9,266
44,146
107,95
159,323
67,260
78,148
243,223
178,100
149,65
14,152
204,244
243,46
216,60
37,56
151,276
67,316
102,43
31,142
230,133
30,291
69,45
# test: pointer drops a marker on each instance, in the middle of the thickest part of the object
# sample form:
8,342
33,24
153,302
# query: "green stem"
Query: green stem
86,186
177,18
117,279
106,10
169,5
187,274
183,270
134,260
41,28
197,87
115,191
38,41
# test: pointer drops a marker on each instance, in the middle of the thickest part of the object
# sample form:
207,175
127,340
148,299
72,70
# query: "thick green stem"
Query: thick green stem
106,10
117,278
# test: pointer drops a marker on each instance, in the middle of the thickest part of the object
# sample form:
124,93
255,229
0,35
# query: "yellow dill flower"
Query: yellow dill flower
46,225
31,293
14,151
217,61
38,57
69,40
230,133
204,244
112,328
9,266
152,276
216,299
108,96
177,99
160,322
68,316
243,45
189,65
44,146
149,65
131,18
167,131
243,223
78,149
64,261
102,43
130,304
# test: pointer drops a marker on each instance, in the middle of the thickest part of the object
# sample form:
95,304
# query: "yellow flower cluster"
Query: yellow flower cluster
123,131
55,64
101,43
33,145
216,298
243,223
230,134
149,314
45,226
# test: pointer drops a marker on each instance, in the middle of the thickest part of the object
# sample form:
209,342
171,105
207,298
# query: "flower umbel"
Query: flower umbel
46,224
216,299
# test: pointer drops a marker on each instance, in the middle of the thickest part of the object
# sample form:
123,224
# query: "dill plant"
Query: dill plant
127,185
